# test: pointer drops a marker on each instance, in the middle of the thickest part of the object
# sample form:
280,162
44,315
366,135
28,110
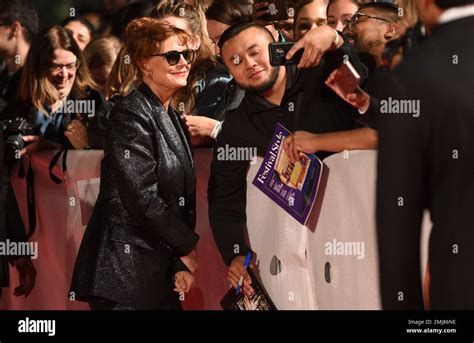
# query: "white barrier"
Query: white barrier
344,211
316,271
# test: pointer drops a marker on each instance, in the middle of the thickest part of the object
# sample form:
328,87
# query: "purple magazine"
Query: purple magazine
293,186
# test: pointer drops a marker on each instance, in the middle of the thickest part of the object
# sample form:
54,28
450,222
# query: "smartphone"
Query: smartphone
278,52
278,10
347,78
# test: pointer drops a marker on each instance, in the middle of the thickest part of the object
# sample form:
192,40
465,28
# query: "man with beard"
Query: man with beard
297,98
370,29
374,25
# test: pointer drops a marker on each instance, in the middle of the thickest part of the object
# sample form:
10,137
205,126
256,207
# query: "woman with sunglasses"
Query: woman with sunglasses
135,250
56,94
202,97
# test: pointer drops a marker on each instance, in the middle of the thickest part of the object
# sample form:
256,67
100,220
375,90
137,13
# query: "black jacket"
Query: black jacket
144,217
428,162
11,223
308,104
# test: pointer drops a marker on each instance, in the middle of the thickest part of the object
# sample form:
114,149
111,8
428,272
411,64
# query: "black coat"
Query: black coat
428,162
144,217
11,223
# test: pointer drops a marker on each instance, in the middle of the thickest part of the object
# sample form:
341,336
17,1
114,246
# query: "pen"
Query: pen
246,265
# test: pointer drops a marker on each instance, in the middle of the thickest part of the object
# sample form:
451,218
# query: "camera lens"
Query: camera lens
13,144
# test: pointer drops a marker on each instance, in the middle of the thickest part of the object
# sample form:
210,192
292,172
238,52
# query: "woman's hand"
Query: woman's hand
37,143
183,282
190,260
199,126
76,132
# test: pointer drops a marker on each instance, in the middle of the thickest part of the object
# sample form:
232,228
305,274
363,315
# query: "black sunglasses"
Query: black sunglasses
173,57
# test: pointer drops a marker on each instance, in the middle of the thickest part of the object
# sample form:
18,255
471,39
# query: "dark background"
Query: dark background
52,12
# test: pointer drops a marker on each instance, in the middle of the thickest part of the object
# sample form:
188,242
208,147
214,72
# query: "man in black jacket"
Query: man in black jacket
297,98
426,160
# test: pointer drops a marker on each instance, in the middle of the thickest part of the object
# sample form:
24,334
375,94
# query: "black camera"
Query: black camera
13,132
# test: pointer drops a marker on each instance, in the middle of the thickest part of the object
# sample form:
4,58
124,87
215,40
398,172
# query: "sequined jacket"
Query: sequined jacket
144,217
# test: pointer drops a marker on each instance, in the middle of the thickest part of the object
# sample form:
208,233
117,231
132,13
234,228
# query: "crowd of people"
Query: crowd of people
161,78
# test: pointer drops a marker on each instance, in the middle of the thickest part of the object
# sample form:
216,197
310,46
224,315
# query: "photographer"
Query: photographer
56,93
18,26
12,229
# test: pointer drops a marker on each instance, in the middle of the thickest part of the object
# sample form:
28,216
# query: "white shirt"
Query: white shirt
456,13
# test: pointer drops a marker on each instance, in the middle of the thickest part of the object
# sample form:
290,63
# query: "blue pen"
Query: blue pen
246,265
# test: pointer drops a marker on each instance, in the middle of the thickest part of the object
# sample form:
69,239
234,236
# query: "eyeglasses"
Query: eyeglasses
173,57
356,19
56,68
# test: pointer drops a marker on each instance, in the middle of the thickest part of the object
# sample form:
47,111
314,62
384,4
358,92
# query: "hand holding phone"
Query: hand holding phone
347,79
278,53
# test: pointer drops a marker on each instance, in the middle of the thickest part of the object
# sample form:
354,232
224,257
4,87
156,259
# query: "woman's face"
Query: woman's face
164,76
340,13
62,71
80,33
310,16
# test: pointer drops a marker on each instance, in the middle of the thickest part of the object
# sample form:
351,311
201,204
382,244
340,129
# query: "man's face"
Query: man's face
369,33
246,57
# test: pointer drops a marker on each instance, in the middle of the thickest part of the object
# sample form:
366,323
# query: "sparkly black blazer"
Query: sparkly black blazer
144,217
